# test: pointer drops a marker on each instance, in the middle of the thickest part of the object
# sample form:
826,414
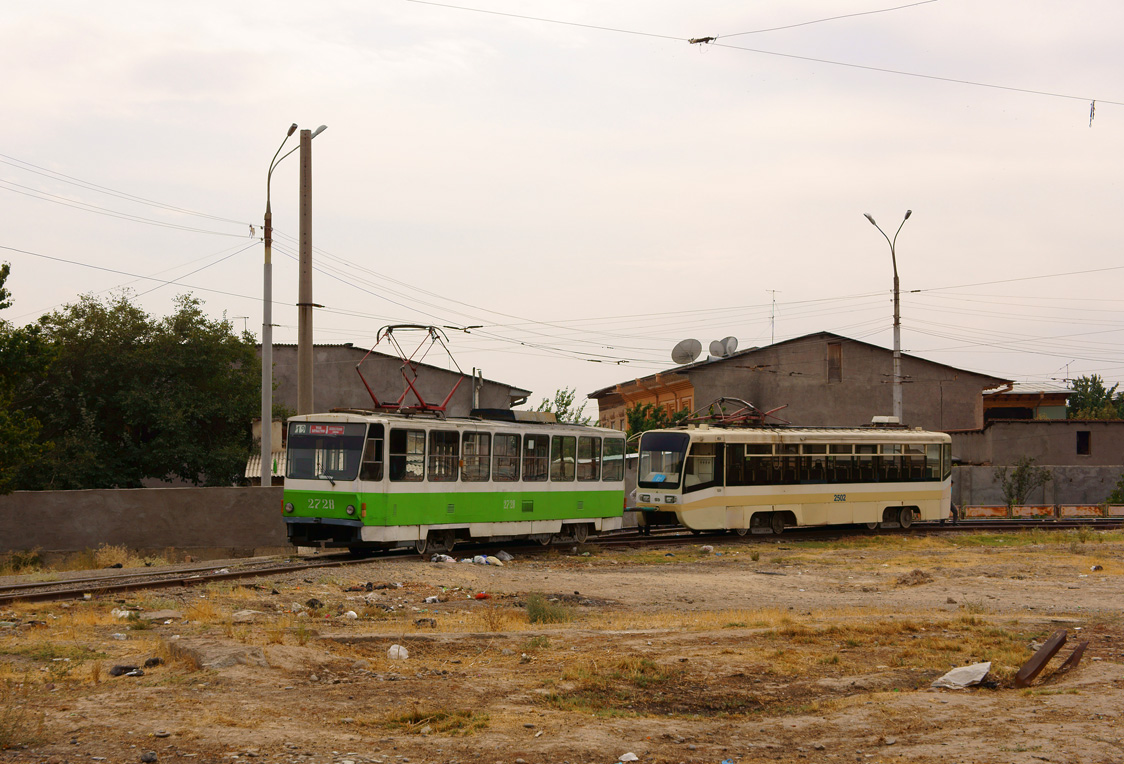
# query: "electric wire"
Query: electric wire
21,164
713,41
86,207
830,18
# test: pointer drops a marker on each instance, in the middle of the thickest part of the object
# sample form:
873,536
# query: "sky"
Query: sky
573,187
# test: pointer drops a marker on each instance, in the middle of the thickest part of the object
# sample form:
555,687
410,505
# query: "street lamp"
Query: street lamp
897,314
267,329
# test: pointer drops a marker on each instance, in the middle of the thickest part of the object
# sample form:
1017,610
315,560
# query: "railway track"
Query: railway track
91,586
87,587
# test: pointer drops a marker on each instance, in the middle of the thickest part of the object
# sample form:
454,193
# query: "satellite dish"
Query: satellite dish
723,348
686,351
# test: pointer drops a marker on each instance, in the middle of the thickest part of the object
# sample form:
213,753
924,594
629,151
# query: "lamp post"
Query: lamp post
897,313
267,329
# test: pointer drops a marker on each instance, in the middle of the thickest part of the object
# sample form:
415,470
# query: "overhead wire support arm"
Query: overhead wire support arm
701,40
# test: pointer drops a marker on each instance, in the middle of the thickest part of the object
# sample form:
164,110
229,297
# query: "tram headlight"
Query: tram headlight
645,497
289,507
350,509
668,499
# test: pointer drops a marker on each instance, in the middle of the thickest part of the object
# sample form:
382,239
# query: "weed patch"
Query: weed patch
426,721
20,723
542,610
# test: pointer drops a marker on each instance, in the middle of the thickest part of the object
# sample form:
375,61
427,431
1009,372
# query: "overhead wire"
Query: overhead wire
714,41
829,18
86,207
21,164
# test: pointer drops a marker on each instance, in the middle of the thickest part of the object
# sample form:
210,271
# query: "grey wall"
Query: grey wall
934,397
147,519
1071,485
1048,442
336,384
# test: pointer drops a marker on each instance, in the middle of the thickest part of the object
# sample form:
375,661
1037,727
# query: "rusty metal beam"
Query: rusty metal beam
1038,661
1074,658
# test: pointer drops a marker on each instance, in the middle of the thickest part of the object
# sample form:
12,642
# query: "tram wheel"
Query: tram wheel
445,541
905,517
421,545
741,531
581,533
543,538
776,522
872,526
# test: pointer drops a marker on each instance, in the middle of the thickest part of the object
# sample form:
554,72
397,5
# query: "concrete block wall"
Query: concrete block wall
1071,485
238,521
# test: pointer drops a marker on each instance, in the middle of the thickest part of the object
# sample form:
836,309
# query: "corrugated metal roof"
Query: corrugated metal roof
253,465
1030,388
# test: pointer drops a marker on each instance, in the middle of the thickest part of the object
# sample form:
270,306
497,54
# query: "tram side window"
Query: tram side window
372,455
840,463
505,458
444,456
613,468
787,463
475,449
865,460
735,464
814,469
890,464
589,458
704,466
946,460
536,457
759,463
407,455
562,450
913,462
932,461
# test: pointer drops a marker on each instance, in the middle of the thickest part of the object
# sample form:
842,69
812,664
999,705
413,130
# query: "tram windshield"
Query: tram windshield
324,451
661,459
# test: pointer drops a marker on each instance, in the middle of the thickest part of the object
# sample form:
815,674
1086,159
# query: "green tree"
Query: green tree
127,397
563,407
1090,399
1018,482
1117,495
642,417
21,353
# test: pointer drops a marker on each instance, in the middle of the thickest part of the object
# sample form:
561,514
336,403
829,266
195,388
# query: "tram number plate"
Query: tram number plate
509,503
841,497
321,503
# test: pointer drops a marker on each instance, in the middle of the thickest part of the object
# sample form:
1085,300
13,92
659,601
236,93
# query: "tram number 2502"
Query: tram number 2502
841,497
321,503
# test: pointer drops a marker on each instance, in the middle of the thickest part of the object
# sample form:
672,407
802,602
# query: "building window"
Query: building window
835,362
1083,445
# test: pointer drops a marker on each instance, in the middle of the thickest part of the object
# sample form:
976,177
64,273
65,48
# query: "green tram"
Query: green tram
764,479
368,481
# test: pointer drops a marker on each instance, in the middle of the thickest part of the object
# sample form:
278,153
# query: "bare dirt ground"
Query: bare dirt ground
755,651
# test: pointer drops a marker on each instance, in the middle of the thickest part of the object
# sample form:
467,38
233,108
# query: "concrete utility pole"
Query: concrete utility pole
897,314
304,295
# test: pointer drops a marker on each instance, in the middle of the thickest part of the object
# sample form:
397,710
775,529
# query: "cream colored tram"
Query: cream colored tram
764,479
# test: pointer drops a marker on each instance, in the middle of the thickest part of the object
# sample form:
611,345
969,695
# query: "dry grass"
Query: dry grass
496,618
21,562
422,720
22,722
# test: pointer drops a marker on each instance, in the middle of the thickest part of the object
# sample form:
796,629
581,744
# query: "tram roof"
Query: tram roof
781,433
522,423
